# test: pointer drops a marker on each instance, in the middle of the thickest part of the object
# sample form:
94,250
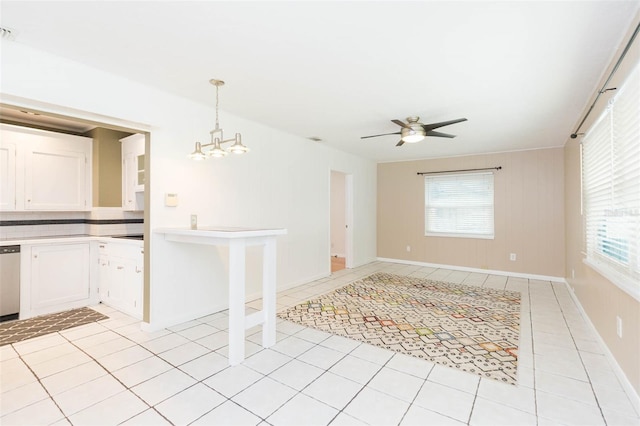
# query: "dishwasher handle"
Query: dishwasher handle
9,249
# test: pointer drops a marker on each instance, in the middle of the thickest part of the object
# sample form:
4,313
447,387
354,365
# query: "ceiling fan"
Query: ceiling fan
414,131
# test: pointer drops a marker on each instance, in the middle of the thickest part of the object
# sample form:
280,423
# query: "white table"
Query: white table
237,239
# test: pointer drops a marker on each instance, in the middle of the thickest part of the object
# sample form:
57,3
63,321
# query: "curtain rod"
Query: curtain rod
604,86
464,170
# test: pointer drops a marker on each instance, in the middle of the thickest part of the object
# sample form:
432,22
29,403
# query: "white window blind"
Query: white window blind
459,205
611,188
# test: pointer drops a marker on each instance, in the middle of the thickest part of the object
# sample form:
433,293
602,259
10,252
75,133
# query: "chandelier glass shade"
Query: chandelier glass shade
214,148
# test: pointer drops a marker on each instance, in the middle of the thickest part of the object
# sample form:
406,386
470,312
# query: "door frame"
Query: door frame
348,204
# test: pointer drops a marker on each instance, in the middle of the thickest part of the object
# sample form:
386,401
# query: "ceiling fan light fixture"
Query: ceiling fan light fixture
414,131
412,136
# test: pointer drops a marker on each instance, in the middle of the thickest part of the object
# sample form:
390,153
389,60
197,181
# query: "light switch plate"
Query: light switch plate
170,200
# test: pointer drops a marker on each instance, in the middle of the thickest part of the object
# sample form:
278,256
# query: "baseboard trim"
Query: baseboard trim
626,384
478,270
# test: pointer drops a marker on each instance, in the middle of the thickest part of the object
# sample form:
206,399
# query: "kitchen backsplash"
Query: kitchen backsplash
99,222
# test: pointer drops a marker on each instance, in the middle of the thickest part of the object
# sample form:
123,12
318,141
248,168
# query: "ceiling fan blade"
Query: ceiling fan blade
439,134
383,134
401,124
400,143
432,126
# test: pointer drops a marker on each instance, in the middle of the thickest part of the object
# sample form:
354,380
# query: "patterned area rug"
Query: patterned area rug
468,328
17,331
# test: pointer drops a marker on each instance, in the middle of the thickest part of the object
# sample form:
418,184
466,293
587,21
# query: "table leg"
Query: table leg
269,293
236,300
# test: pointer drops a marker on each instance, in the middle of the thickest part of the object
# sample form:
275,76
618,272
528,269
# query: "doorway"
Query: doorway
340,218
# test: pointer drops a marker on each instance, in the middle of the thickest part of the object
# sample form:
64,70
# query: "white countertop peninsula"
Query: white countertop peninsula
237,239
224,232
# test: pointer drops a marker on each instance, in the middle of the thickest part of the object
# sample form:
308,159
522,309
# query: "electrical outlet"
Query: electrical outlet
408,248
619,326
512,257
194,221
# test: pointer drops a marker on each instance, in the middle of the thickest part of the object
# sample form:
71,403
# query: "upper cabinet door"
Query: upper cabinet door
7,176
133,172
42,170
55,179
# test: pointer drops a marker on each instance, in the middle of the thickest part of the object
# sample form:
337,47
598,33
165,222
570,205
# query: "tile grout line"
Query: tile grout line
117,379
533,356
267,376
359,391
309,384
473,404
40,383
157,355
595,395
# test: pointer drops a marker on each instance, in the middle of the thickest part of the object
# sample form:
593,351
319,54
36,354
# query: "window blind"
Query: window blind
611,188
459,205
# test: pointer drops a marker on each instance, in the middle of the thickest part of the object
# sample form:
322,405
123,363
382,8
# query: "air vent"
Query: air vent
7,33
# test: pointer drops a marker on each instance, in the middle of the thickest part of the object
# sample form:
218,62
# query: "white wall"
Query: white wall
282,182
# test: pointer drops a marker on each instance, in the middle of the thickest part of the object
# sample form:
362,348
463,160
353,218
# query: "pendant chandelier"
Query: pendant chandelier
216,149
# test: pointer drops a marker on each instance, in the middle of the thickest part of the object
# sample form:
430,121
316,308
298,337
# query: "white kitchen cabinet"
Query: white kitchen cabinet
57,278
121,276
103,275
50,171
7,175
133,172
55,179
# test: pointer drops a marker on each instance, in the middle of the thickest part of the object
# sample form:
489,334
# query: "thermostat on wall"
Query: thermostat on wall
170,200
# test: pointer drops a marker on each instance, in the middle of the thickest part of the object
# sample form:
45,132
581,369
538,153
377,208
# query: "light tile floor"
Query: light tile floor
113,373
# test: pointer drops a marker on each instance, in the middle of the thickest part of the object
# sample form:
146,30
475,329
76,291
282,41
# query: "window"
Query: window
611,189
459,205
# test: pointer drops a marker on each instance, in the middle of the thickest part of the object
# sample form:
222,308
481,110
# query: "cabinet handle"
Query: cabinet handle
35,256
120,267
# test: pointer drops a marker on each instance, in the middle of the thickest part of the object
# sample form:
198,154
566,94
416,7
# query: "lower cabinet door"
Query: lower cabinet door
60,277
118,273
121,285
133,290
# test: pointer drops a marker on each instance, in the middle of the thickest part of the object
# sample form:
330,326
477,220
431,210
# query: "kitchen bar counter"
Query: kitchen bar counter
237,239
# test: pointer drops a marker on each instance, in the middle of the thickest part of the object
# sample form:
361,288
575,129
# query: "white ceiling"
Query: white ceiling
521,72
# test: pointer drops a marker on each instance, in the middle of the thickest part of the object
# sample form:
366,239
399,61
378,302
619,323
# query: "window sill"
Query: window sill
623,283
443,234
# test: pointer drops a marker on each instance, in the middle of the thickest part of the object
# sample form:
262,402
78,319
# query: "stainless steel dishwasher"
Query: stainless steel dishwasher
9,282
